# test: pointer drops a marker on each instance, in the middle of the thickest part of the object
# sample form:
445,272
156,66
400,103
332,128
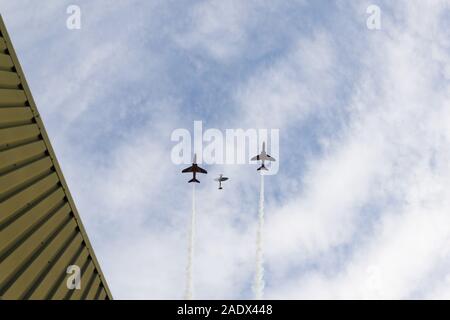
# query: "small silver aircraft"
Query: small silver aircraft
194,169
263,156
220,179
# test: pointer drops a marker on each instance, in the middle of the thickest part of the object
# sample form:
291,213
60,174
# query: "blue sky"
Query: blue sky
359,208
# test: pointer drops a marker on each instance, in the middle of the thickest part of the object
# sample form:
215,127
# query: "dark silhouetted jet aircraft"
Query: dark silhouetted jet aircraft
194,169
263,156
220,179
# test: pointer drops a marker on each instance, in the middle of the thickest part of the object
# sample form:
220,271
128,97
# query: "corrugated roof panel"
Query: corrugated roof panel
6,63
41,233
14,116
12,98
2,45
9,80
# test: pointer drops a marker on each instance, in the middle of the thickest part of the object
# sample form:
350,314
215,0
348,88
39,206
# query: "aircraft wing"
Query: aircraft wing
255,158
190,169
217,179
270,158
201,170
224,179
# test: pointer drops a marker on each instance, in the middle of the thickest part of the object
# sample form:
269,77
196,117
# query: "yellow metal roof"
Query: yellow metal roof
41,233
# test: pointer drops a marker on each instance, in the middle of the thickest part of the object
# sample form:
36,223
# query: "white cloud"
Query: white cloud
218,28
296,85
399,132
369,214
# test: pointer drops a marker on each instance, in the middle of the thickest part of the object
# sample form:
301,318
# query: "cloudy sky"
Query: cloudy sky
360,207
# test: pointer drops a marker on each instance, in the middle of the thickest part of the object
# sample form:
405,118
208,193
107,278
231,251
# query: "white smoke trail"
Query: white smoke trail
189,269
258,286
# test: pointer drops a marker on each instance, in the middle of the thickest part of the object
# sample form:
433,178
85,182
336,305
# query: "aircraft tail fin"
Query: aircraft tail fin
193,180
220,188
263,167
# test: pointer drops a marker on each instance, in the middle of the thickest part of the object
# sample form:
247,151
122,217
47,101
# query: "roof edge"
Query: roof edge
51,152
